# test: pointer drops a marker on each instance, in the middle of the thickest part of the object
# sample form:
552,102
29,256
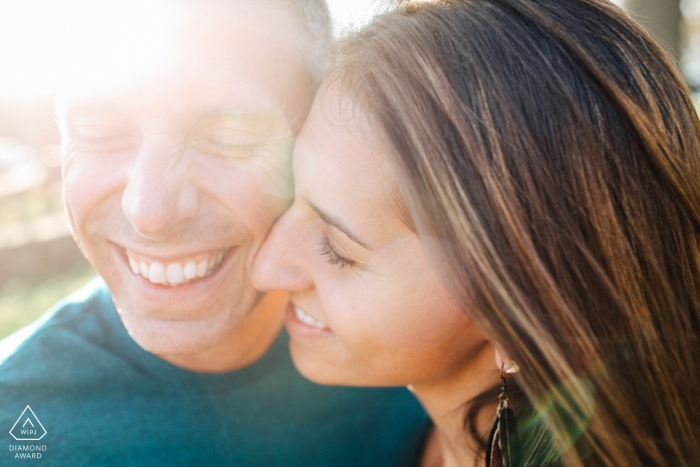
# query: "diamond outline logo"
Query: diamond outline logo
30,422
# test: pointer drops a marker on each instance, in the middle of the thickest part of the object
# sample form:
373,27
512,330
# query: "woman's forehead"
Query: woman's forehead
345,164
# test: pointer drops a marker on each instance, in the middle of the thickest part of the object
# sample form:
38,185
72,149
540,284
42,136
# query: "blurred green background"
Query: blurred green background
23,301
39,262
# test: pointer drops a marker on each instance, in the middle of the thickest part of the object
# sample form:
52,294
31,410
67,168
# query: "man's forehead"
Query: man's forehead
196,19
215,62
172,97
177,111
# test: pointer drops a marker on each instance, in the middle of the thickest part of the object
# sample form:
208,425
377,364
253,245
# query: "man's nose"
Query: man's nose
159,194
280,263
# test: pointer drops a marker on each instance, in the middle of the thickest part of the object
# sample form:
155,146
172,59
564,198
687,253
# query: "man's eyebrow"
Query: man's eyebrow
338,224
238,113
71,109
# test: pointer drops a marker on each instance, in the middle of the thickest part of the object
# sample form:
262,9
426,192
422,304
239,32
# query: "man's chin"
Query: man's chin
169,339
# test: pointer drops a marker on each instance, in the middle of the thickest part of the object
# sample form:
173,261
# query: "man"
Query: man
172,180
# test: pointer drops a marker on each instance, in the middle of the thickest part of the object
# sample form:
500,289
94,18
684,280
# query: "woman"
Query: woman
508,179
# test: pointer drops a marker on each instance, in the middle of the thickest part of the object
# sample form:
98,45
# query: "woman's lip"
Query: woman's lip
300,330
308,319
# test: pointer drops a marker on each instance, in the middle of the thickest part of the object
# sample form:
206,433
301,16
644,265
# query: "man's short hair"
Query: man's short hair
317,34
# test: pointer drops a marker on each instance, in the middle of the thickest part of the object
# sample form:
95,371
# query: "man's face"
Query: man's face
172,181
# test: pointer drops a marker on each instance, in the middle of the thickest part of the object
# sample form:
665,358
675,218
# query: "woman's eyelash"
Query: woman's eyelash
332,257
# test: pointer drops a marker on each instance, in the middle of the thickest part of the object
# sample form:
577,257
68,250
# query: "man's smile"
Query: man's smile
166,293
176,271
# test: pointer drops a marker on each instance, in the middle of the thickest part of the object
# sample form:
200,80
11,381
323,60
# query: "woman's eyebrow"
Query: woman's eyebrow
338,224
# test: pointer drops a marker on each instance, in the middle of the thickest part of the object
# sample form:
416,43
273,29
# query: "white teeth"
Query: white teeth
308,320
190,271
157,273
174,274
144,269
202,268
134,266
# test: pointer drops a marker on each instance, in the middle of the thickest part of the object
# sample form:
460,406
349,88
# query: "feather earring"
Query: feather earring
502,443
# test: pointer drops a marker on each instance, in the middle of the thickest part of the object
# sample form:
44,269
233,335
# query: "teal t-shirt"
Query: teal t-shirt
104,401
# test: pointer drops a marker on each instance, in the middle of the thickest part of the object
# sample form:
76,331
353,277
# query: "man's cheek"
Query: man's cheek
77,194
87,175
248,192
275,165
87,191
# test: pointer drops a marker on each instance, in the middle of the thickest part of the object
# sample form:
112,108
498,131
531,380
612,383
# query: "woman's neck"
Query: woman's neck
447,401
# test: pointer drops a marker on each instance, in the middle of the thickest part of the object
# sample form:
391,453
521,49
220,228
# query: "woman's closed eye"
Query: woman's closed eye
332,256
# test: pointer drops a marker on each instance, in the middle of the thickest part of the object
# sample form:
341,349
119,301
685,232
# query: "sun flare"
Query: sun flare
46,45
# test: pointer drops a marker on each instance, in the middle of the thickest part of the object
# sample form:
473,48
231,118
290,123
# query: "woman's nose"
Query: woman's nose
280,262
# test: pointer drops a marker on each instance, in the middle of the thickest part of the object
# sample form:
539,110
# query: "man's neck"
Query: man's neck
247,344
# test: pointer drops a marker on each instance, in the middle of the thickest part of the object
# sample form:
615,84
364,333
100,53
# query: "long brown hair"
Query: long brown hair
550,158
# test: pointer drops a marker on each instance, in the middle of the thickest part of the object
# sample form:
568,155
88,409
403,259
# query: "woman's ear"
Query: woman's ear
499,360
506,364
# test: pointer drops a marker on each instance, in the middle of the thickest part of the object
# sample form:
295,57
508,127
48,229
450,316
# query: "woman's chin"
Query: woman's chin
320,366
315,366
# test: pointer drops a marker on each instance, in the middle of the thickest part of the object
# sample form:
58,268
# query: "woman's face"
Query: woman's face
367,307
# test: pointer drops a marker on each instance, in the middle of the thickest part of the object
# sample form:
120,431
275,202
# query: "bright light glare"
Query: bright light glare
46,45
352,14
